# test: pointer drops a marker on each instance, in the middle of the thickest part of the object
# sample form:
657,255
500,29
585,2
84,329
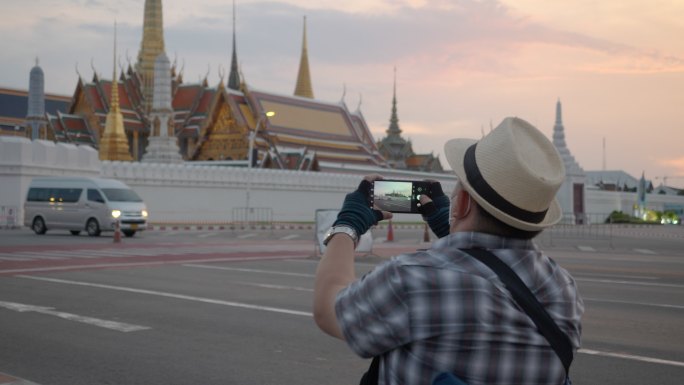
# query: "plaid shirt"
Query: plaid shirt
441,310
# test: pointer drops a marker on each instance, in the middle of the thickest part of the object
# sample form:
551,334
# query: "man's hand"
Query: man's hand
336,269
356,211
435,210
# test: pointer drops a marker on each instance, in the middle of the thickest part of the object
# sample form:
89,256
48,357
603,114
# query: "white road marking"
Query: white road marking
172,295
305,314
39,255
207,235
634,303
14,257
636,283
631,357
617,276
276,287
245,236
113,325
586,248
72,254
250,270
288,237
134,264
645,251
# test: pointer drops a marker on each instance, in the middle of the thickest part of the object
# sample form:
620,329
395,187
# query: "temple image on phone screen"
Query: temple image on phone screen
393,196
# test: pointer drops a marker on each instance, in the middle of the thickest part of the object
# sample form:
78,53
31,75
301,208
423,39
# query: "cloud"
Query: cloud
676,165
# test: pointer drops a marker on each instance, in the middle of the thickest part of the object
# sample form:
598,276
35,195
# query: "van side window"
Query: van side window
37,194
67,195
95,196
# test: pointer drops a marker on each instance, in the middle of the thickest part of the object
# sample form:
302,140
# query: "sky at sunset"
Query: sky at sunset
617,66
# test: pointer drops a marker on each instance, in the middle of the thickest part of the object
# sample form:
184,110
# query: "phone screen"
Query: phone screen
397,196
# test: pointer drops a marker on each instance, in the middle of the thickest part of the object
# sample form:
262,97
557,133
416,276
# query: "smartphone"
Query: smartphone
398,196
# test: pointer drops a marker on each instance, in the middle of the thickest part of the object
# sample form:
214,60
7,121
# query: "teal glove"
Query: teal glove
356,212
436,213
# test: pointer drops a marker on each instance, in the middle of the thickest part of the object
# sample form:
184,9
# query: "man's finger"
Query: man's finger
373,177
424,199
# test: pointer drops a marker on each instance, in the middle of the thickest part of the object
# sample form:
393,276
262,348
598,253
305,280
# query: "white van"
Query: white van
77,204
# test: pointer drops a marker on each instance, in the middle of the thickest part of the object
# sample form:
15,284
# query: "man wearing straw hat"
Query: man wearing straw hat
444,310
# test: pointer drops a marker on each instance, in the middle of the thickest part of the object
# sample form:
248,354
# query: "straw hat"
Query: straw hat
513,173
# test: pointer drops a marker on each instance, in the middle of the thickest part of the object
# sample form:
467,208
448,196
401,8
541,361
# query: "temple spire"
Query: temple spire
114,143
234,76
304,88
571,165
393,129
35,117
151,46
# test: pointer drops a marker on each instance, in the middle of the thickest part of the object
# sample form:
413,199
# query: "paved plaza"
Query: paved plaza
234,306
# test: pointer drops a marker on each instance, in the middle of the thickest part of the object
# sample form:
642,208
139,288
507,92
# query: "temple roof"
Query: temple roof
70,128
14,103
327,128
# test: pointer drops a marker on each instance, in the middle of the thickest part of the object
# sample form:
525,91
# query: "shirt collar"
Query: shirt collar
475,240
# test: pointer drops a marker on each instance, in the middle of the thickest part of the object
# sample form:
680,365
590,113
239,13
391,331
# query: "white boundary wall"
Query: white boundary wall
22,159
187,193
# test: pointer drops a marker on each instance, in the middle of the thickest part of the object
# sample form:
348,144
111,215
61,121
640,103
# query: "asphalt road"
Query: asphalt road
233,307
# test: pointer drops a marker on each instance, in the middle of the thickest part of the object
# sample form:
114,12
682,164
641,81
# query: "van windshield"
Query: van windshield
121,195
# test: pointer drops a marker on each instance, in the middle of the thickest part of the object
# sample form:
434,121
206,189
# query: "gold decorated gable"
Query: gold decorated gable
225,139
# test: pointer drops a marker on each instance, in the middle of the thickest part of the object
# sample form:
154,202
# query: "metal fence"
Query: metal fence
261,217
8,217
585,227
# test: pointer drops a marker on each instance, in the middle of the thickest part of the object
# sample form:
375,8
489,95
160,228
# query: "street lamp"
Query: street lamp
252,135
250,160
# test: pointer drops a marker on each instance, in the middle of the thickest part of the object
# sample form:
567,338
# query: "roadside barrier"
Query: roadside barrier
8,217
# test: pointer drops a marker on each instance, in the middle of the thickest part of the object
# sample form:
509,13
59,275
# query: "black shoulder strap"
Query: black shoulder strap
558,340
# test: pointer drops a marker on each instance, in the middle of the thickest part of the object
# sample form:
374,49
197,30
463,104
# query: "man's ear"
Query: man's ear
462,206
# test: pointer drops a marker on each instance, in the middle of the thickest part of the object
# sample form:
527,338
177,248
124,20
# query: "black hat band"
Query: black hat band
480,185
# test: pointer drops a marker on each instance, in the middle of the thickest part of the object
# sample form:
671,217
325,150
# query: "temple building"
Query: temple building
14,109
214,122
572,193
398,151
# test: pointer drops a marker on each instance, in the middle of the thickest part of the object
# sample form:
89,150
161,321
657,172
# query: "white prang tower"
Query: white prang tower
571,195
163,145
35,118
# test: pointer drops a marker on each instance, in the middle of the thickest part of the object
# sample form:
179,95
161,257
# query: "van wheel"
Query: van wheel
92,227
75,232
128,233
38,226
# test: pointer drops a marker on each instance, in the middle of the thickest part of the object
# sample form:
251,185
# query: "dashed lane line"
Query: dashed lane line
631,357
288,237
586,248
245,236
173,295
207,235
645,251
112,325
249,270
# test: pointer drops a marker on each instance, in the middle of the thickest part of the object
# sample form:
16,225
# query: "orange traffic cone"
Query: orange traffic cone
426,234
117,232
390,232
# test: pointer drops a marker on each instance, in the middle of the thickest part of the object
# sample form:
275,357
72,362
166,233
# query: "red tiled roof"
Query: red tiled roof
204,103
94,97
185,97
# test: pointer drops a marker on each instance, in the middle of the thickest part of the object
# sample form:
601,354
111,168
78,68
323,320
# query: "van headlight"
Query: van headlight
116,213
144,213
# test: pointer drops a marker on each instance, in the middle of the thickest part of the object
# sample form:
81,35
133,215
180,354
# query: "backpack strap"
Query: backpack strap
558,340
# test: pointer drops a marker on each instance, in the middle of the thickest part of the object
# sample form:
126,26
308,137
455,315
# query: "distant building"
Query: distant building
14,110
398,151
211,123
